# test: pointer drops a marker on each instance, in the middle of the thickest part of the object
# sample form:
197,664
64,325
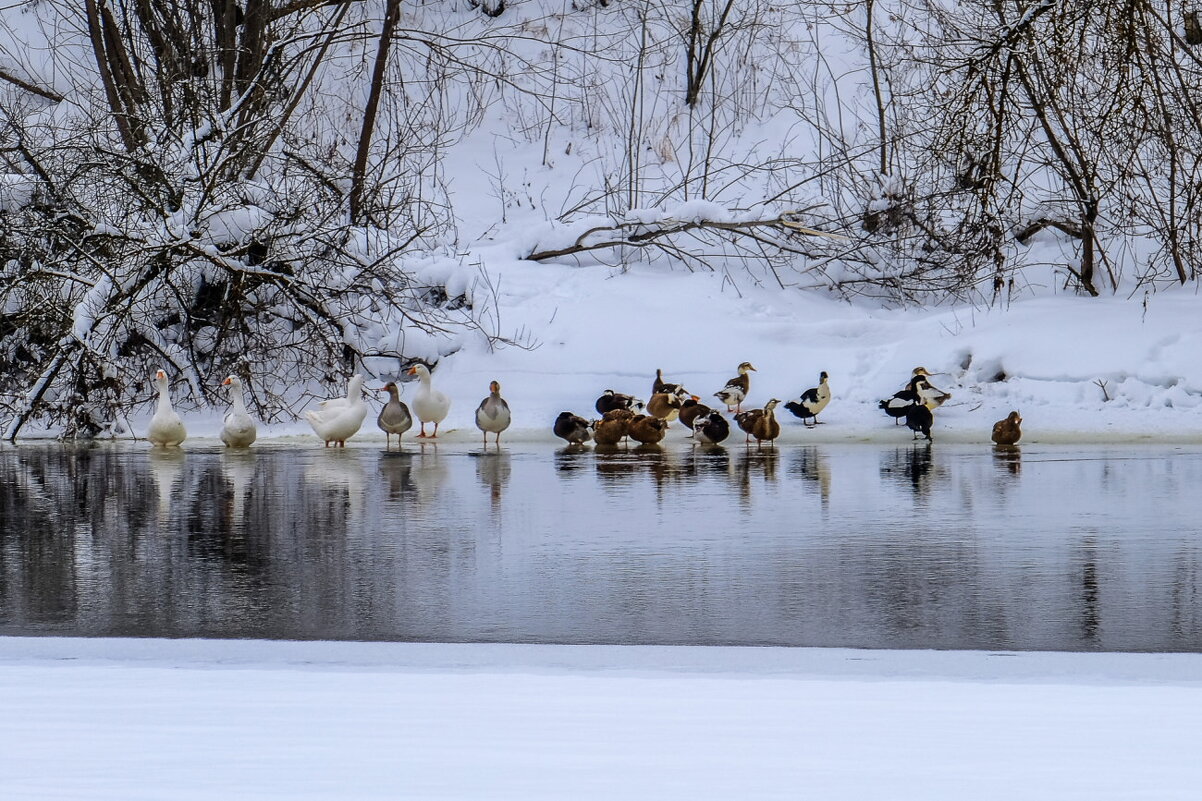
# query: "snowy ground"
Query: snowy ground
186,719
596,328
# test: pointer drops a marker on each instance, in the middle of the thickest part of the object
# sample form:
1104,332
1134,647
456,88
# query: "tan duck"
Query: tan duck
394,417
571,427
492,415
667,405
760,423
610,430
736,389
1008,431
646,429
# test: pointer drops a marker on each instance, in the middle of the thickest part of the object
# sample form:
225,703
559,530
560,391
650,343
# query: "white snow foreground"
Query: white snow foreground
197,719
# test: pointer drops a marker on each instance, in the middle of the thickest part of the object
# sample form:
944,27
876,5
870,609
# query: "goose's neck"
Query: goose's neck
238,403
164,399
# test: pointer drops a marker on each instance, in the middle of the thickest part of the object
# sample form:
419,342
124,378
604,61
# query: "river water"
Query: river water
920,546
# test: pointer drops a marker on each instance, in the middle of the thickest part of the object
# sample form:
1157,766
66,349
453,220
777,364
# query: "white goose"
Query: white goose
166,428
339,419
238,429
430,405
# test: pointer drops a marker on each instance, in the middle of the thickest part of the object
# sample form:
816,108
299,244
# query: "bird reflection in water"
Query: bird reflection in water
493,469
238,470
571,458
396,473
615,464
707,460
751,463
339,472
429,474
911,466
167,469
1008,457
809,463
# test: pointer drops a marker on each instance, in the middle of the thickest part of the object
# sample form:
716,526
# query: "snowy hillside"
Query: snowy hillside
566,196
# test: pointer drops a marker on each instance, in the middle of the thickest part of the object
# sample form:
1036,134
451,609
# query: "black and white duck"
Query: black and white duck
919,419
897,406
711,428
691,411
932,397
571,427
812,401
611,400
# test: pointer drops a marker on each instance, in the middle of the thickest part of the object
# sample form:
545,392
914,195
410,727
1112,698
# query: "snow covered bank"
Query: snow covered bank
1078,370
151,719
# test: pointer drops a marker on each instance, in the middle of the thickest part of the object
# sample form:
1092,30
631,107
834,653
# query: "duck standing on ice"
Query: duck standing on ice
736,389
430,405
492,415
394,417
339,419
760,423
812,401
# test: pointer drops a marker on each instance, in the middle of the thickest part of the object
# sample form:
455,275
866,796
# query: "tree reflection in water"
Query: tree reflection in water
921,546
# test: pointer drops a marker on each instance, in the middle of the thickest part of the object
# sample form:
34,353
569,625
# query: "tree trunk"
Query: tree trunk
392,15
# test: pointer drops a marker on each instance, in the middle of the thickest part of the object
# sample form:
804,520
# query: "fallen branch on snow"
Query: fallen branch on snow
640,234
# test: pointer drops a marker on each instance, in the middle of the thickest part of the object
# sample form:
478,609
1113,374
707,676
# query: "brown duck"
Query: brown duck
612,427
667,405
736,389
660,385
1008,431
692,410
647,430
760,423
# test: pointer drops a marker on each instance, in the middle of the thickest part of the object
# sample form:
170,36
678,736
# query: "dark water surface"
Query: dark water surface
945,546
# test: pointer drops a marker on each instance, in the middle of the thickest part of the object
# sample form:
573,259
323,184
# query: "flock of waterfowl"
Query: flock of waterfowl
336,420
622,416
